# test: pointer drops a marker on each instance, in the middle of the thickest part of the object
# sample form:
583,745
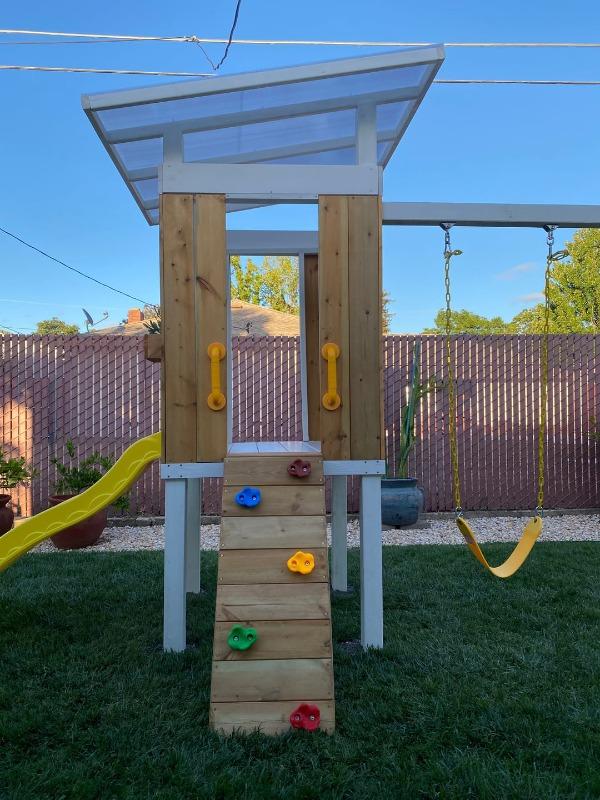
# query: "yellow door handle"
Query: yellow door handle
331,399
216,399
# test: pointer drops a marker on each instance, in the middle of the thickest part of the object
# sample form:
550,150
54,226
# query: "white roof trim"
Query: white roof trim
269,77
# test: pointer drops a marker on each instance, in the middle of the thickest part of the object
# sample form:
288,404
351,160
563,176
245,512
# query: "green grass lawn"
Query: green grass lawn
485,689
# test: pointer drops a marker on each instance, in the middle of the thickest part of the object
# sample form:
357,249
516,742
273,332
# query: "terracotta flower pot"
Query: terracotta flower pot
7,515
83,534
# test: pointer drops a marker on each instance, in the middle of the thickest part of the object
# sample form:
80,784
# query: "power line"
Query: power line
102,71
13,330
73,269
59,42
285,42
511,82
106,36
160,73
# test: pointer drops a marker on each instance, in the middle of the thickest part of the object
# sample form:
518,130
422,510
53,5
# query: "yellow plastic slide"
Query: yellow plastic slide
113,484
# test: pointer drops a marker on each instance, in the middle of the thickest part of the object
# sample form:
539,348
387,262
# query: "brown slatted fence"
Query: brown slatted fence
101,393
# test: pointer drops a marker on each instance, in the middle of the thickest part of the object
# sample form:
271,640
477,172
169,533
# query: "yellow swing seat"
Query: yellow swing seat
518,556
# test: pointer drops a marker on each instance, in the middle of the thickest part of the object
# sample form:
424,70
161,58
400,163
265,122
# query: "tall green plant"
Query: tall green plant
416,390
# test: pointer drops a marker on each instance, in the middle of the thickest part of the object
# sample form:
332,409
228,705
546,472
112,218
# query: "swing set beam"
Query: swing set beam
493,215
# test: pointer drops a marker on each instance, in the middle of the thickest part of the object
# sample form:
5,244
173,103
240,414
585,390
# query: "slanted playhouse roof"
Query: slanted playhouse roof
296,115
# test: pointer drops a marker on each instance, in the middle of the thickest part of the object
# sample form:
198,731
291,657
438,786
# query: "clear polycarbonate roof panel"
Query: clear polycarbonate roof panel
296,115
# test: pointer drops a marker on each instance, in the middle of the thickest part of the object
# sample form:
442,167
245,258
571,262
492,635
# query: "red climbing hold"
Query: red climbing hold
306,716
299,468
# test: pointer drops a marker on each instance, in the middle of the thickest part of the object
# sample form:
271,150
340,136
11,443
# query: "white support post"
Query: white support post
175,599
339,530
193,535
366,134
371,563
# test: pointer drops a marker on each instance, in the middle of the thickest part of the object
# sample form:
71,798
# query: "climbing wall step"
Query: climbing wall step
304,638
273,580
240,469
272,679
298,499
270,717
268,566
272,601
304,533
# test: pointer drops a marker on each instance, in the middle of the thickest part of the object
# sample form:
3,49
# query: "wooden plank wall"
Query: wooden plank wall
101,392
349,277
291,660
194,279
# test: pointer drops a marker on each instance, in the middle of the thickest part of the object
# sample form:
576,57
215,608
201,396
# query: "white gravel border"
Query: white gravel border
570,527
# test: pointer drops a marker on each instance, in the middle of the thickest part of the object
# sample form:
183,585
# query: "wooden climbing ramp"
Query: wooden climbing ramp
272,655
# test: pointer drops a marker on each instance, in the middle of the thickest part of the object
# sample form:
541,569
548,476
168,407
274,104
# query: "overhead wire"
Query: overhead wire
4,327
103,71
169,74
73,269
282,42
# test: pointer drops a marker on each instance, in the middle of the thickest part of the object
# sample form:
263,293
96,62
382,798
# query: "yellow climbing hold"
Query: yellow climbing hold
304,563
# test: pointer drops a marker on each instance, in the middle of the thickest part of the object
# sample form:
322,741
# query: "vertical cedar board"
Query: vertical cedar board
210,287
365,330
334,320
313,355
163,377
178,324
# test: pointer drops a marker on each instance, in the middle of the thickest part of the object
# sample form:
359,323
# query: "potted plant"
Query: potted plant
401,498
73,479
13,472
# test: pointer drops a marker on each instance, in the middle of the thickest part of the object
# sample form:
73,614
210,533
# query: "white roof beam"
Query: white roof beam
493,215
287,183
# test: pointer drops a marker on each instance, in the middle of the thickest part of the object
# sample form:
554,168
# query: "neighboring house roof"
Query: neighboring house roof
246,319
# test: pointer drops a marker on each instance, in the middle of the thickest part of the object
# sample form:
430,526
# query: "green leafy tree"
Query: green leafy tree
386,314
246,280
574,291
272,284
464,321
279,289
55,326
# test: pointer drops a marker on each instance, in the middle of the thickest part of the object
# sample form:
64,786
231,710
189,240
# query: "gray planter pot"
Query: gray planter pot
401,501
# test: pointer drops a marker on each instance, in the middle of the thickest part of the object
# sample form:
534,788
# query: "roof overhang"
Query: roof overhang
343,113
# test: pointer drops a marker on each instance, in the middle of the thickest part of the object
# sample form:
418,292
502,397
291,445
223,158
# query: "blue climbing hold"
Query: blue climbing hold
248,497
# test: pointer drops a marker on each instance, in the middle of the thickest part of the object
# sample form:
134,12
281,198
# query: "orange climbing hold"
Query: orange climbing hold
304,563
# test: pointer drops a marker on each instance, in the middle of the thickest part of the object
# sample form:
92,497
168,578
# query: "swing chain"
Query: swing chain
448,255
550,259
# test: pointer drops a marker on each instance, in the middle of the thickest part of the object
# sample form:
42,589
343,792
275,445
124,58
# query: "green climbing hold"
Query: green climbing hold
241,638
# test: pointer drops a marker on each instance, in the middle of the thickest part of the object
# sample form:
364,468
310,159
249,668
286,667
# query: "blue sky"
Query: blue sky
472,144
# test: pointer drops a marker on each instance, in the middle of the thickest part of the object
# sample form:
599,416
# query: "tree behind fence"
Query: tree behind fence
100,392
